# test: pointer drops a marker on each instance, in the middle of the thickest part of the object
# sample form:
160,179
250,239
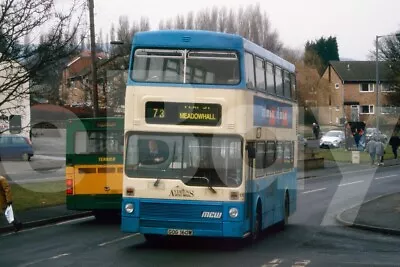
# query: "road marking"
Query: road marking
356,182
42,260
384,177
118,239
273,263
76,220
372,169
59,256
301,263
315,190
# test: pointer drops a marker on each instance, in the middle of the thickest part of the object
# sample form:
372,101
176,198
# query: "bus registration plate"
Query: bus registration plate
180,232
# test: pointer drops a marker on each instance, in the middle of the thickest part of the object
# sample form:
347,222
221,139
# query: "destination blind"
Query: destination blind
183,113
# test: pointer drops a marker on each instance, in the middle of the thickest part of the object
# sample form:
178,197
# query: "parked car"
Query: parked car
370,132
15,146
332,139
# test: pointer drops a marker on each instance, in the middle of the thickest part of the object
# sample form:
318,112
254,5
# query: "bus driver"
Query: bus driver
154,155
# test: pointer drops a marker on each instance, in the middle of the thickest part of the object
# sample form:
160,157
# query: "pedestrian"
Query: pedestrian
6,200
371,149
395,143
379,150
316,130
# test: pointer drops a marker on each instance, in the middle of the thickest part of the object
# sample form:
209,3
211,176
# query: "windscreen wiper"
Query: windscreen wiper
208,182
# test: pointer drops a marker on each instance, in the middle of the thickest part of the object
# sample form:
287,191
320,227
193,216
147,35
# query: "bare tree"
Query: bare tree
202,21
168,24
213,26
23,67
144,24
231,22
190,21
161,25
222,19
179,22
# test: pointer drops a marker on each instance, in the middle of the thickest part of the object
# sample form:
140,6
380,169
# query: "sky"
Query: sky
354,23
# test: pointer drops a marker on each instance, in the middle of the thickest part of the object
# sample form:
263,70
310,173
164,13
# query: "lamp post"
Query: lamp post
378,108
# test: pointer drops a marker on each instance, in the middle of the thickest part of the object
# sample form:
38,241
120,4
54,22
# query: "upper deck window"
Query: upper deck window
186,66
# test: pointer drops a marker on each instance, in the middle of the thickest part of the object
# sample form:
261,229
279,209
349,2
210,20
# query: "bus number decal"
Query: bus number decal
159,113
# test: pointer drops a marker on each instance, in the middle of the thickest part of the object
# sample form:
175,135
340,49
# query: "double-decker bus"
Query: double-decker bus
94,165
210,137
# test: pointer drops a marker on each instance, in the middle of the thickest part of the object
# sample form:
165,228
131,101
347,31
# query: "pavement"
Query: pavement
381,214
42,216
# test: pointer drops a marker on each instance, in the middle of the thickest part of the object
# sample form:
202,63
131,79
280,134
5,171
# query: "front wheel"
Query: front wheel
257,226
286,211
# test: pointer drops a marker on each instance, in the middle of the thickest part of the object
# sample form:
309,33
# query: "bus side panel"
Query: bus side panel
94,202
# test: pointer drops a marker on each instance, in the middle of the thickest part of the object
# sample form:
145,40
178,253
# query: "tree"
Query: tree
248,22
325,48
35,64
389,52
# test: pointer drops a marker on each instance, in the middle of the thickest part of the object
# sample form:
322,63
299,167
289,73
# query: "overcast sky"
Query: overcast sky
355,23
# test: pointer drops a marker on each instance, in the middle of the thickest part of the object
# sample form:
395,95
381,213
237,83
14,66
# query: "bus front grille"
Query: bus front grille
178,211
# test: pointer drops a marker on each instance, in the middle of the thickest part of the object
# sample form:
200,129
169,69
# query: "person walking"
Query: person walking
395,143
371,149
379,150
6,200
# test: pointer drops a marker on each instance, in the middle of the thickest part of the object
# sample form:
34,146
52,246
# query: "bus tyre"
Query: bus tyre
257,225
286,209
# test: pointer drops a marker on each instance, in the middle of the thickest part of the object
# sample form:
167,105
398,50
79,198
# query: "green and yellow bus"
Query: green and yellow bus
94,150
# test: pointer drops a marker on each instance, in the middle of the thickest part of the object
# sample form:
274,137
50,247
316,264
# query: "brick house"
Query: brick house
351,93
72,91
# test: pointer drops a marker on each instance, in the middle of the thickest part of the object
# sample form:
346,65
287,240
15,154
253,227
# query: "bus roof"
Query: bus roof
205,39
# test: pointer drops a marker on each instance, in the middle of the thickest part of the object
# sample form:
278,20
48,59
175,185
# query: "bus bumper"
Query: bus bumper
163,221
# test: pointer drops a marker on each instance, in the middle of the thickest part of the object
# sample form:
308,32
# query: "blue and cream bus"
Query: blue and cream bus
210,136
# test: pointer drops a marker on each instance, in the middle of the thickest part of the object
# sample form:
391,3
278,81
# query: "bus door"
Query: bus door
114,149
250,154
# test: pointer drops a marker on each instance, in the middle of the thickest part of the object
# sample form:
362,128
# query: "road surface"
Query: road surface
313,237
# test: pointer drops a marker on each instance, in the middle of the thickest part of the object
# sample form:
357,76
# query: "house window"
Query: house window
367,87
337,108
387,87
337,86
367,109
388,109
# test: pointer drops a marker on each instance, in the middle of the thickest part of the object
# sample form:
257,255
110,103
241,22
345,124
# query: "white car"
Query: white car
332,139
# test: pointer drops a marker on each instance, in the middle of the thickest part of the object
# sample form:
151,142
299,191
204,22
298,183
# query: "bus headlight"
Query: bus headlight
233,212
129,208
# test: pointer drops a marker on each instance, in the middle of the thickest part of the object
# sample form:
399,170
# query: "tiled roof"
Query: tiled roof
360,71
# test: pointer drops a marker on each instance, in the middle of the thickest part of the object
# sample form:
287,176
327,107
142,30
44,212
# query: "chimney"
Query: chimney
348,66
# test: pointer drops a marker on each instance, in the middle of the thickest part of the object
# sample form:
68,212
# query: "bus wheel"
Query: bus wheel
257,224
286,211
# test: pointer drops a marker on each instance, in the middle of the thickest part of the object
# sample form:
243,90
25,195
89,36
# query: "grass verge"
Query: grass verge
37,195
340,155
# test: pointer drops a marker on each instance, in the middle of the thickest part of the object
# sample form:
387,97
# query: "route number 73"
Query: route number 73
158,113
